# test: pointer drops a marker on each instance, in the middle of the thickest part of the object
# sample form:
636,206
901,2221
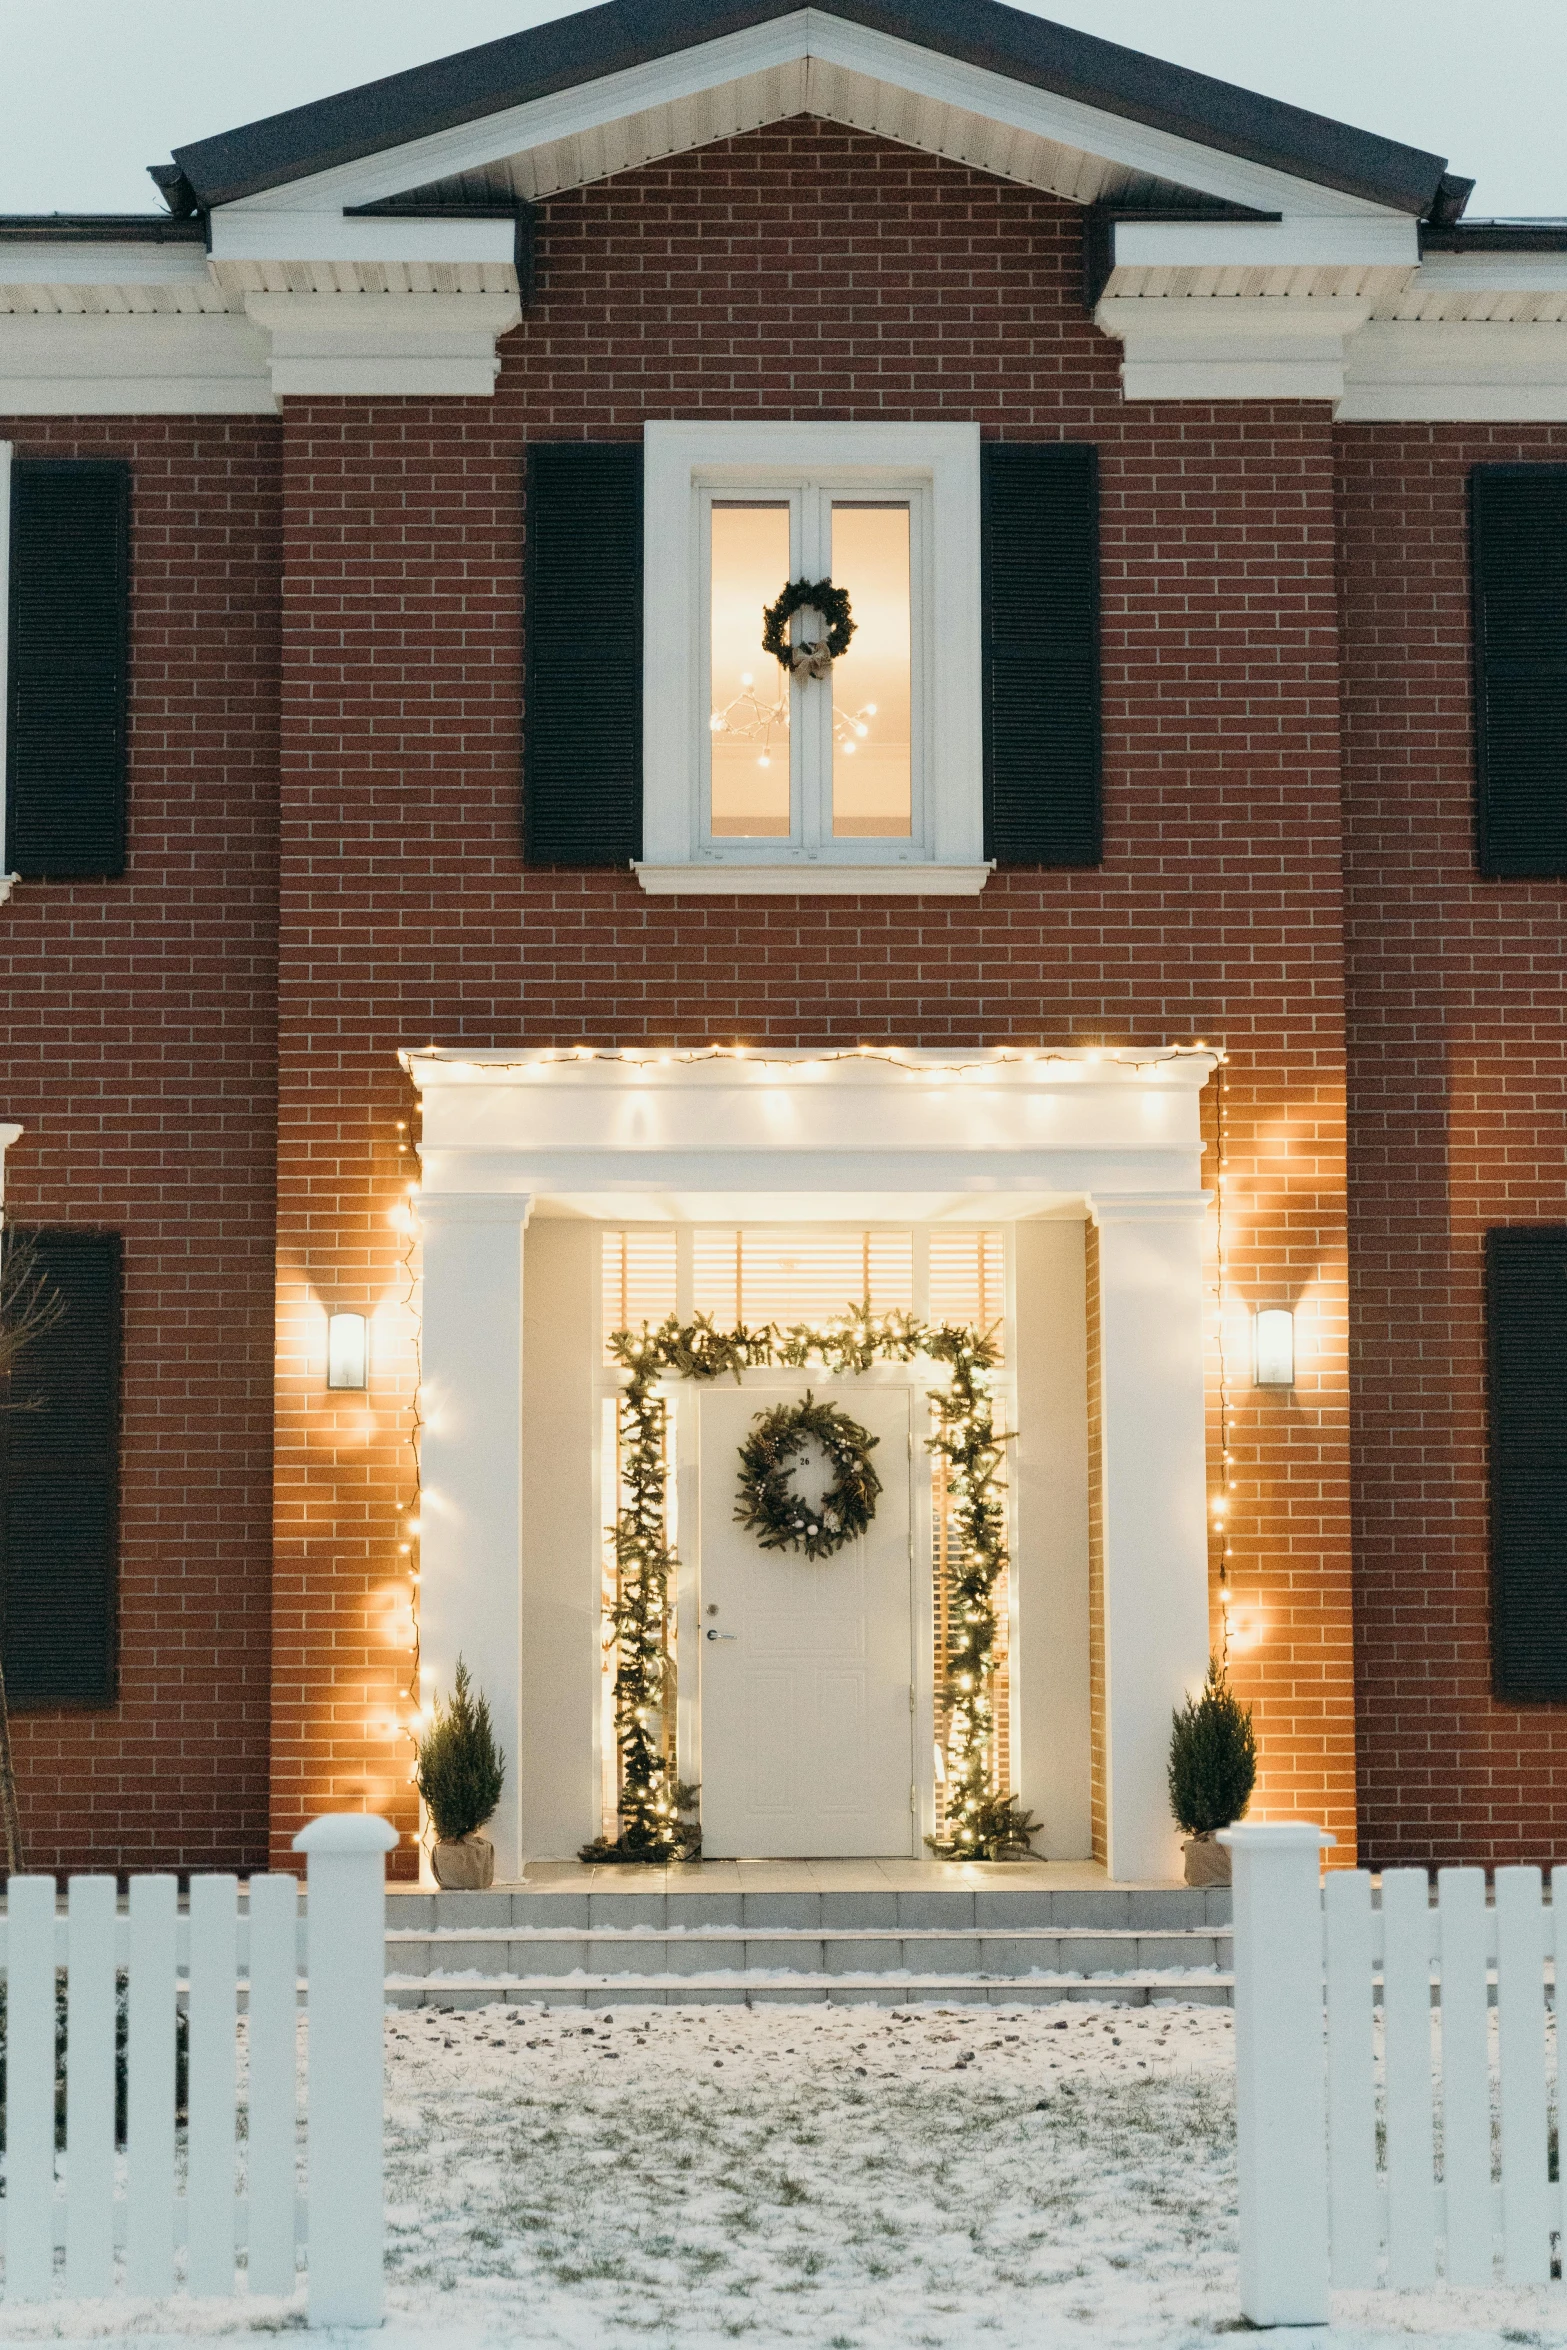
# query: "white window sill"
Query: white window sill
725,880
8,882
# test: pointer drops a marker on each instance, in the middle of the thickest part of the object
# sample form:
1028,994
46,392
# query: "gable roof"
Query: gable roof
624,34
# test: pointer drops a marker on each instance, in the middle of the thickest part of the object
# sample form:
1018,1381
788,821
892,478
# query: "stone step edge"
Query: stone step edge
761,1979
755,1933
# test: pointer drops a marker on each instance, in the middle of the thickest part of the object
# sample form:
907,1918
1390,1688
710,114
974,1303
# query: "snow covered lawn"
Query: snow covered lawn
821,2175
679,2178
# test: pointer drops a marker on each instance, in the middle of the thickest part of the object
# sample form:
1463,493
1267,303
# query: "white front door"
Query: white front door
807,1723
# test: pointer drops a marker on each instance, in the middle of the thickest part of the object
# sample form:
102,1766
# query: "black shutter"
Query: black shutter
582,738
1040,552
1518,573
1526,1336
59,1495
70,575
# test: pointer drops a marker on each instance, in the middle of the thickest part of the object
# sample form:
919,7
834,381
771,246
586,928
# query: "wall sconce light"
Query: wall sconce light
1274,1347
347,1351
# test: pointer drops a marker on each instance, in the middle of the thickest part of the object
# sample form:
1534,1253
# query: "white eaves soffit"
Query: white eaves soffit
1347,312
806,63
763,1137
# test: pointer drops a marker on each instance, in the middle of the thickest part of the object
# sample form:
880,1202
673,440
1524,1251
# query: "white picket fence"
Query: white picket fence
1449,2170
92,2202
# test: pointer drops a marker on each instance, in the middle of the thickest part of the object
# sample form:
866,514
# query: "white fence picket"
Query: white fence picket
1470,2257
150,2086
209,2188
89,2088
29,2099
1520,2020
1352,2088
272,2104
95,1947
1406,2043
1275,1872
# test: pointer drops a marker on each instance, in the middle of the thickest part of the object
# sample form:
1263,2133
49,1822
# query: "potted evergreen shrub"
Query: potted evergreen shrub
460,1775
1213,1769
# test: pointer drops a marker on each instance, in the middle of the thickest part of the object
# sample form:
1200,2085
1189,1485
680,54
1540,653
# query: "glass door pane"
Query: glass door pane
872,752
749,718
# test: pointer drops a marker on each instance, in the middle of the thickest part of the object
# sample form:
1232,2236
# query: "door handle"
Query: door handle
723,1635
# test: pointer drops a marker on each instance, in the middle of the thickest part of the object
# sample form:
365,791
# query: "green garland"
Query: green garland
656,1810
769,1503
807,595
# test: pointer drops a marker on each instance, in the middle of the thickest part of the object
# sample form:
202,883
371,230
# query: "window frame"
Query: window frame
935,470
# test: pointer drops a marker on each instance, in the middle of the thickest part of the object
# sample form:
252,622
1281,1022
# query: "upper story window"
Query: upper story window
957,723
815,765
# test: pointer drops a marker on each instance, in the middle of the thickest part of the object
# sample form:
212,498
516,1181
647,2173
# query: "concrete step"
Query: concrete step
662,1948
952,1908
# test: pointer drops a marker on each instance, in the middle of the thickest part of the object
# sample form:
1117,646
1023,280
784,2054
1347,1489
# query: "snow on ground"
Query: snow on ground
843,2177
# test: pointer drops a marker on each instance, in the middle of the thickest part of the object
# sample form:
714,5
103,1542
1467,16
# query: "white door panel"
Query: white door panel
806,1724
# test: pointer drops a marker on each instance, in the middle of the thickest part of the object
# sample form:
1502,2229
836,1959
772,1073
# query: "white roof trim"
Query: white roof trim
1050,137
328,236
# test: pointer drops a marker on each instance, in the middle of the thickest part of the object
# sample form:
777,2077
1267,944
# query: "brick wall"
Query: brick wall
1458,1091
139,1057
405,914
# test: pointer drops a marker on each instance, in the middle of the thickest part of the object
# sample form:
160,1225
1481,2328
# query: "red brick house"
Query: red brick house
1151,921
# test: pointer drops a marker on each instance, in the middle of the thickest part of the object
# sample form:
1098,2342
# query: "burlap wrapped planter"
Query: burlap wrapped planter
464,1865
1207,1863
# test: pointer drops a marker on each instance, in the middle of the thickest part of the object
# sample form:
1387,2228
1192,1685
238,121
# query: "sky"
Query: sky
91,91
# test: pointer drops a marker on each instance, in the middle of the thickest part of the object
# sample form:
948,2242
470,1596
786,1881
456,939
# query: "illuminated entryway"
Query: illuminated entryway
806,1697
1087,1169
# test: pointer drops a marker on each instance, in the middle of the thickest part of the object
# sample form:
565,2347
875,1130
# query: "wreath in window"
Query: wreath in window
808,595
768,1503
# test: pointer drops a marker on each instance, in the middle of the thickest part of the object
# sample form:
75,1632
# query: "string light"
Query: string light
747,718
1221,1516
1135,1059
413,1514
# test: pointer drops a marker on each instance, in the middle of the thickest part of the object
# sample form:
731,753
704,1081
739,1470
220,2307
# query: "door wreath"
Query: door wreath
768,1502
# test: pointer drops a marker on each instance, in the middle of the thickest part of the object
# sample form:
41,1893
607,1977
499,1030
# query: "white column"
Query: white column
471,1505
563,1540
1153,1471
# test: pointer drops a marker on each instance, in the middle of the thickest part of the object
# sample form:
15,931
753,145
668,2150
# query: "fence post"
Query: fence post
346,1965
1280,2067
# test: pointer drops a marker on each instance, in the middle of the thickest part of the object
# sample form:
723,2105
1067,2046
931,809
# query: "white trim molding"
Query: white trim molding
682,460
1261,347
9,1132
817,880
150,363
1458,371
878,1132
811,62
424,346
7,451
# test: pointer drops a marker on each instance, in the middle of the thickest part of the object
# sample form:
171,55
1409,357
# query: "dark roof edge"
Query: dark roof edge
623,34
1497,236
99,228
